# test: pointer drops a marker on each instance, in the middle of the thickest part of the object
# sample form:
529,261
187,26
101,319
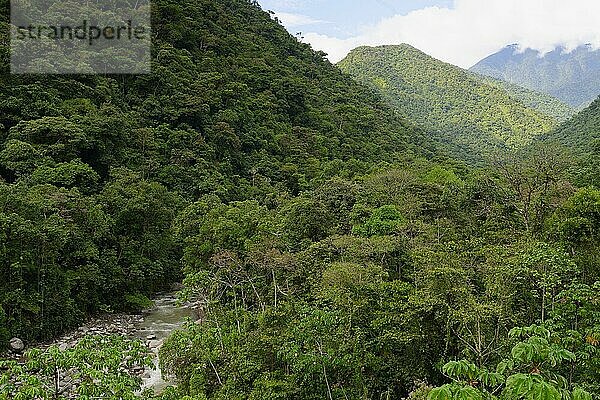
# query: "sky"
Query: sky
460,32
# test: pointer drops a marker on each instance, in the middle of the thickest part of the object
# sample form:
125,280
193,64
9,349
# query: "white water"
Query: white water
160,322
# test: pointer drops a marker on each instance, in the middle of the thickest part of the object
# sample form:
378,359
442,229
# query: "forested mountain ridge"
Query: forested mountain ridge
572,76
467,113
94,169
579,132
542,102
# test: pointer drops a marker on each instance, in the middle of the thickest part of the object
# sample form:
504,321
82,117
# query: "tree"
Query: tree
530,373
385,220
534,181
95,367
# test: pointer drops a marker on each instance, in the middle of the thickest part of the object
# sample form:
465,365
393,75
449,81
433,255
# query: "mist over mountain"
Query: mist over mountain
571,76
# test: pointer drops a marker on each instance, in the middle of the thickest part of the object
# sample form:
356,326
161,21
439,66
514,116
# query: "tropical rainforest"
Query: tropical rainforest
472,114
337,241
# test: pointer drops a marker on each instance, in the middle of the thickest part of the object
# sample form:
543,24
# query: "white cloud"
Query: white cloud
473,29
293,20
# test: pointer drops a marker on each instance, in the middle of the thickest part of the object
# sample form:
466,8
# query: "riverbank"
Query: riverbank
152,326
156,325
109,324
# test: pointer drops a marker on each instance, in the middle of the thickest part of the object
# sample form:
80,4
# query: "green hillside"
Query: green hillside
579,132
539,101
468,113
581,136
327,246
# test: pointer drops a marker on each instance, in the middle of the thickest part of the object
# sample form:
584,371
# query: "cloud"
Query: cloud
293,20
473,29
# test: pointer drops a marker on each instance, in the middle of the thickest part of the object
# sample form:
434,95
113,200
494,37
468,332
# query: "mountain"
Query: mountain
539,101
328,249
94,169
571,76
469,114
580,135
580,132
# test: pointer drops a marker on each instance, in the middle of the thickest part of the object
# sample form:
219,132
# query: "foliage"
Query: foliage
95,170
95,367
528,374
542,102
580,134
333,250
468,115
382,221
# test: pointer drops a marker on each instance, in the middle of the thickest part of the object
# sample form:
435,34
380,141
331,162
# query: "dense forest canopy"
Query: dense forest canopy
580,131
96,168
334,248
471,115
542,102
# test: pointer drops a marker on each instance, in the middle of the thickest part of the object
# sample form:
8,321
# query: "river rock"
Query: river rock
151,337
137,370
16,345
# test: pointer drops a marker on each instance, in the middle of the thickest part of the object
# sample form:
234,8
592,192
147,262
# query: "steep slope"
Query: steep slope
539,101
93,169
573,77
581,136
580,132
468,114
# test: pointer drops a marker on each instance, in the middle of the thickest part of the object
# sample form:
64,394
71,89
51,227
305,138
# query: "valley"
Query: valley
473,115
388,227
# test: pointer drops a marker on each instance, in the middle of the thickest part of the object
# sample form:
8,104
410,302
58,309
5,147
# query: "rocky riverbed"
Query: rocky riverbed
152,326
155,326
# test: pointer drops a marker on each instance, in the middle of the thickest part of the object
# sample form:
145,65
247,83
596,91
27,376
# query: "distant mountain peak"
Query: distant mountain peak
401,46
571,75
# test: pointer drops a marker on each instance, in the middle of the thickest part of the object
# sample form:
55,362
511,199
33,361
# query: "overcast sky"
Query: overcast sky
460,32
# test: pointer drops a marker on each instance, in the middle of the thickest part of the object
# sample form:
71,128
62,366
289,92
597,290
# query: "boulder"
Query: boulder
16,345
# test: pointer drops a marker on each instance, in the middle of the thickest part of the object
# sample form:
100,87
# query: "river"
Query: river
157,324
